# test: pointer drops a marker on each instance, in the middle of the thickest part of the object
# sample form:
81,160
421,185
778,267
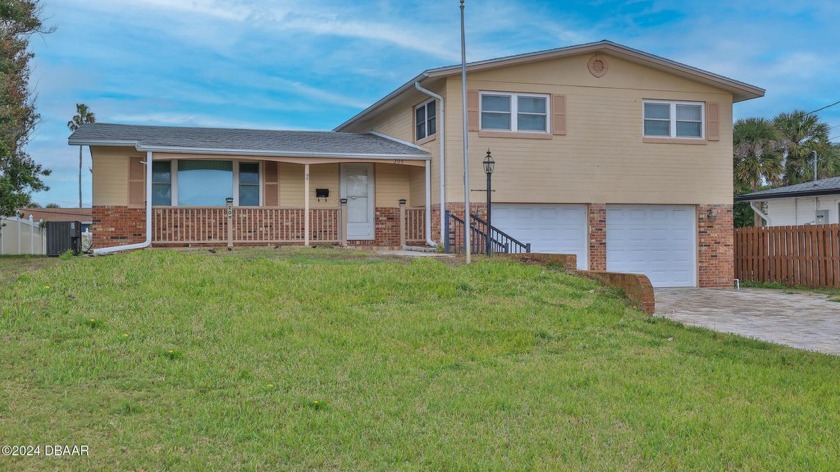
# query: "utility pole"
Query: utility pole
467,227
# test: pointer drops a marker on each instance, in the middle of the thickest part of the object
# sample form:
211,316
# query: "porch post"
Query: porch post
402,223
342,215
306,205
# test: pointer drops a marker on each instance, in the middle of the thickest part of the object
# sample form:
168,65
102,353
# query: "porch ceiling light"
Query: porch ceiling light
489,163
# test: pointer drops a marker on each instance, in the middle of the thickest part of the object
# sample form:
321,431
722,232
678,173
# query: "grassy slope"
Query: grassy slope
196,361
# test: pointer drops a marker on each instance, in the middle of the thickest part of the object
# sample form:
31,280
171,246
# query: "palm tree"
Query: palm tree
757,154
801,135
83,116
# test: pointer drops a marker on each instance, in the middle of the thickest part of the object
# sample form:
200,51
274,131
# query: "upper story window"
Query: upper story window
425,120
665,119
518,112
162,183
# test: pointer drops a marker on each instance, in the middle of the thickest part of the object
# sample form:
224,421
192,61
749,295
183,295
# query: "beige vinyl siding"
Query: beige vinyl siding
398,122
602,158
320,176
110,175
417,186
392,184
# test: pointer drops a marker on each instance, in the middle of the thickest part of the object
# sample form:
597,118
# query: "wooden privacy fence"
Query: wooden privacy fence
19,236
791,255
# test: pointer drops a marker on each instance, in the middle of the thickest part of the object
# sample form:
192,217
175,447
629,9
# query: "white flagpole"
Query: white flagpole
467,227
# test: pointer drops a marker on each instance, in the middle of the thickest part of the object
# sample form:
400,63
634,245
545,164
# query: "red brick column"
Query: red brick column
715,245
117,226
597,236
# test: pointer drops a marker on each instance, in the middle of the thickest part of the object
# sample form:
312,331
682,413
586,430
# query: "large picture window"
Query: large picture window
515,112
673,119
162,183
204,183
425,120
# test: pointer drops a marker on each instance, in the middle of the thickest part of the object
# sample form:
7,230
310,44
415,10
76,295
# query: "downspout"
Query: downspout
761,214
442,152
148,241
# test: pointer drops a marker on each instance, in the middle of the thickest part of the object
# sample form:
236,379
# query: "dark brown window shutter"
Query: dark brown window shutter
472,110
558,114
271,185
136,182
712,122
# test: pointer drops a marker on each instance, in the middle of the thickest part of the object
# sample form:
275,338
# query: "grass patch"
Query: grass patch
326,359
832,293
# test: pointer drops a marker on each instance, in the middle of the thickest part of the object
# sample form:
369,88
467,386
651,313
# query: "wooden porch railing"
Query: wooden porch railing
791,255
250,225
415,224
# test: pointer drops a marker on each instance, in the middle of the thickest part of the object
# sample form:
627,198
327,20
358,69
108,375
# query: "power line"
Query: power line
823,108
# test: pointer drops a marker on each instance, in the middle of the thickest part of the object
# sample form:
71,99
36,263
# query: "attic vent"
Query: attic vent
598,66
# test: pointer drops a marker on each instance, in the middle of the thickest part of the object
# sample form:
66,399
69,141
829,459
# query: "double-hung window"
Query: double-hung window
249,184
515,112
665,119
162,183
425,120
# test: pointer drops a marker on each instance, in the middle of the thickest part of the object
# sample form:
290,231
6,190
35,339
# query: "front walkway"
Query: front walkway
801,320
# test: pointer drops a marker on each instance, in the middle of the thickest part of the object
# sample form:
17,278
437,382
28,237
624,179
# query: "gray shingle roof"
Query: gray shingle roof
253,141
820,187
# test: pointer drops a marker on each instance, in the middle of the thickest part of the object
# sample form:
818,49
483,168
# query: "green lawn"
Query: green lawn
326,359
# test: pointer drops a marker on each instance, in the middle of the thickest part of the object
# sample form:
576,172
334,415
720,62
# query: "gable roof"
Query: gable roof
256,142
740,90
820,187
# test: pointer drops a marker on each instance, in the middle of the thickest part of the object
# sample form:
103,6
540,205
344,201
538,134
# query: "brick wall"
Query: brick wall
117,226
715,245
597,236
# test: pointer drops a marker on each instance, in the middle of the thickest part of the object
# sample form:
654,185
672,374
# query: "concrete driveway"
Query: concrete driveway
801,320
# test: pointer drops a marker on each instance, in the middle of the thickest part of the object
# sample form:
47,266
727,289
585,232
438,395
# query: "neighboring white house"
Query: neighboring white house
809,203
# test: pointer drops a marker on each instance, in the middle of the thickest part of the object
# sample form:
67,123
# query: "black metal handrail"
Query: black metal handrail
499,238
500,241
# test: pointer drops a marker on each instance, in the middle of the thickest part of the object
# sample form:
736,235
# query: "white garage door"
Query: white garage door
655,240
550,228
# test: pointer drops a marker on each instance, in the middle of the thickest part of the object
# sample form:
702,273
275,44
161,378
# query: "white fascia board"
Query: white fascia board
104,142
252,152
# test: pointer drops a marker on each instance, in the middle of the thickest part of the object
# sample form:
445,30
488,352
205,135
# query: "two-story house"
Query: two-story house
618,156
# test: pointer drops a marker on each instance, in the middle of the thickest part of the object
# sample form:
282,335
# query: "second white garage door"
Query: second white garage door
655,240
549,228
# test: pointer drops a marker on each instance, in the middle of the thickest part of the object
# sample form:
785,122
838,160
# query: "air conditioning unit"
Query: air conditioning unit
63,236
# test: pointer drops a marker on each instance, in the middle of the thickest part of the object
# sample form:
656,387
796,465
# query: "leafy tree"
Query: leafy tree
52,205
801,135
757,154
83,116
19,174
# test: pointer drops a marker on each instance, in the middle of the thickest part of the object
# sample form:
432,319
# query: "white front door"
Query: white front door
357,188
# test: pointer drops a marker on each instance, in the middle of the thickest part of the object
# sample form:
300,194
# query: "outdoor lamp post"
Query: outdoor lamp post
489,164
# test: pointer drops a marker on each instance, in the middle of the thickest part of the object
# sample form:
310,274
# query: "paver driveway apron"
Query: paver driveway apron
802,320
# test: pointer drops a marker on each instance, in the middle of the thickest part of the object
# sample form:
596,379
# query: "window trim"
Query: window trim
173,182
514,112
672,135
259,185
427,136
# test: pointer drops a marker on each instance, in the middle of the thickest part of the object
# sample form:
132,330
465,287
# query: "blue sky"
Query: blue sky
295,64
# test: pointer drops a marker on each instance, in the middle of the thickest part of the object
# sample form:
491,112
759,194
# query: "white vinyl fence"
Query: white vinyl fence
20,236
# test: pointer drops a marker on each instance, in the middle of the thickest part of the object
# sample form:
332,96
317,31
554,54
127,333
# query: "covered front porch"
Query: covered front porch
286,201
174,226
